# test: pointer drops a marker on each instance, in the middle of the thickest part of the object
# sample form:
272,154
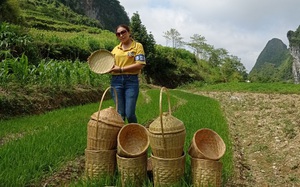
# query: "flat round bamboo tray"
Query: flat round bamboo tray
101,61
133,140
207,144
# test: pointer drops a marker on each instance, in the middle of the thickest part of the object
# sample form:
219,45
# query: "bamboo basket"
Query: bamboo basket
206,173
168,171
104,126
133,171
100,163
207,144
166,133
133,140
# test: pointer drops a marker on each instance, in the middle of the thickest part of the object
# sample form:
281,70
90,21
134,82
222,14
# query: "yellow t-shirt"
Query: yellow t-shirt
135,54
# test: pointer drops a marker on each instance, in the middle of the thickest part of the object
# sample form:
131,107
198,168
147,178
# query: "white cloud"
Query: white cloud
241,27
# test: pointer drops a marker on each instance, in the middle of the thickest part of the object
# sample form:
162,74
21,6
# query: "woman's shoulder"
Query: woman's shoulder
135,42
138,44
116,47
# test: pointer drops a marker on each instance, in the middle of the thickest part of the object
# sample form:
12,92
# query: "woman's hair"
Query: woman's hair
124,26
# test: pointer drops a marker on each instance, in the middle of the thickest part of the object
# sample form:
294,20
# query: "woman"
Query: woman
129,60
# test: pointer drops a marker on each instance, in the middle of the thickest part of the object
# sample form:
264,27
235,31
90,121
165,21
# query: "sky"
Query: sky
242,27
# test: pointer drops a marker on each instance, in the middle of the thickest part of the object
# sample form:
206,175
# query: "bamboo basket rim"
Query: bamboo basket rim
196,152
132,158
169,159
101,61
97,151
146,143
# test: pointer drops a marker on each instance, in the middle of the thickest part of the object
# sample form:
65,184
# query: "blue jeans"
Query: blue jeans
127,87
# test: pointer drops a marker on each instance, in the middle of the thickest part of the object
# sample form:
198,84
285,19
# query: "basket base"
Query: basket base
100,163
206,173
133,171
168,171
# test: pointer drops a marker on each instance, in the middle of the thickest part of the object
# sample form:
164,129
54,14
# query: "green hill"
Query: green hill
109,13
274,64
63,14
275,52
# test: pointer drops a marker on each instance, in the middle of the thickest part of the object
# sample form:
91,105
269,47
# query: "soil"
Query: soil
36,100
265,133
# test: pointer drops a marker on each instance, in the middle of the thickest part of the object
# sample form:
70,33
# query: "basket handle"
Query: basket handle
102,98
160,110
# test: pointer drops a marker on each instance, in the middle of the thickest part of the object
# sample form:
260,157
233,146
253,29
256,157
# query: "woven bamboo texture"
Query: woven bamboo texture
166,133
104,126
206,173
133,171
100,163
101,61
101,136
207,144
167,171
133,140
167,146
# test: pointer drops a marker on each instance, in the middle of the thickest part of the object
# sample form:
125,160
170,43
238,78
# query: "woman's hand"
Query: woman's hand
115,69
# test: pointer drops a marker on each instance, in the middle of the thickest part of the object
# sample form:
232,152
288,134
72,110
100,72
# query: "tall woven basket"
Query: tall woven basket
166,133
206,173
133,140
100,163
104,126
133,171
207,144
168,171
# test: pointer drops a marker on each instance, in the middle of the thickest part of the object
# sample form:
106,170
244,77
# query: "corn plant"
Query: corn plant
48,73
21,69
4,73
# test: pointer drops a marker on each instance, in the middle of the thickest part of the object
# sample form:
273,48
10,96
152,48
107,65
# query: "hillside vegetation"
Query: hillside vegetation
274,64
109,13
294,37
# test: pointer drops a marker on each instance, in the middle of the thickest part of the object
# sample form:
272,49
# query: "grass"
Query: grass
203,112
51,140
47,142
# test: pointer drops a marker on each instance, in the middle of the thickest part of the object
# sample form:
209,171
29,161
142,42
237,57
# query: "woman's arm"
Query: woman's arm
131,68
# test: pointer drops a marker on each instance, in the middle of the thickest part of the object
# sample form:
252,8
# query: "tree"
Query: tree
233,70
197,44
139,33
174,36
2,1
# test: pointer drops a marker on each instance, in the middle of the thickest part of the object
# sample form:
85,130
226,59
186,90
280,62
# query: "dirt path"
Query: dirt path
265,131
